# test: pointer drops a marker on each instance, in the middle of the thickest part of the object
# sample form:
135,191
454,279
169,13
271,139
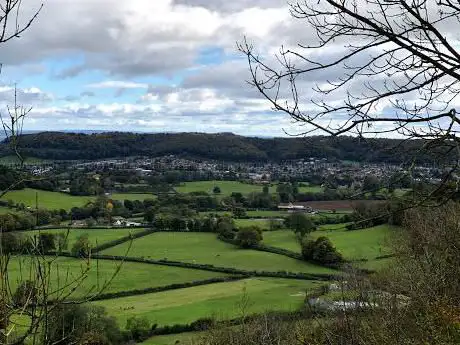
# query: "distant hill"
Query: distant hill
222,146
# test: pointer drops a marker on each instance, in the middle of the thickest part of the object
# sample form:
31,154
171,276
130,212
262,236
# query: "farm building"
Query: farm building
295,208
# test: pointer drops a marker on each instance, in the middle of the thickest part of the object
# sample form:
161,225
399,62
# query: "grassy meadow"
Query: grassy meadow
49,200
354,245
285,239
205,248
226,187
361,244
96,236
173,339
262,223
58,200
65,271
221,300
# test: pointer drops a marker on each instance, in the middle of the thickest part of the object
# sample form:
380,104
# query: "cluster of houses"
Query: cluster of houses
122,222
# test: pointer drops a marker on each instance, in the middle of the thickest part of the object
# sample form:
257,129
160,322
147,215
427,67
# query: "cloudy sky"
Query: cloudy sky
145,65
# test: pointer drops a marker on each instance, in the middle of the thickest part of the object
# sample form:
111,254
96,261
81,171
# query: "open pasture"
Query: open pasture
188,338
58,200
205,248
360,244
64,271
226,187
261,223
46,199
311,189
221,300
285,239
354,245
95,236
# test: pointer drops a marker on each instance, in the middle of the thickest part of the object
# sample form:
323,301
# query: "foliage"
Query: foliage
300,223
17,221
216,190
8,178
138,327
26,294
248,237
239,212
80,323
82,246
46,242
55,145
321,250
10,243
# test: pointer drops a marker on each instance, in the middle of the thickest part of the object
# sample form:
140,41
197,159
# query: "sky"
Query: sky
144,65
157,66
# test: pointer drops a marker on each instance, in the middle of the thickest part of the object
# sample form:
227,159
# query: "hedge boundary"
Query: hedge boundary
175,286
281,251
212,268
121,240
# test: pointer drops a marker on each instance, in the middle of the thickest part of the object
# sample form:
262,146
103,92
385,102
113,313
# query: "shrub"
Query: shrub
300,223
81,246
81,325
25,294
138,327
322,251
249,236
46,242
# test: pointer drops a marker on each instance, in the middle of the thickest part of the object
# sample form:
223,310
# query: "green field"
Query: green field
354,245
205,248
131,275
360,244
285,239
375,264
332,227
49,200
57,200
261,223
226,187
222,300
173,339
311,189
96,236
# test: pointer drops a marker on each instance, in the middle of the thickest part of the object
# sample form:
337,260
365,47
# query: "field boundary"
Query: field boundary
228,270
122,240
281,251
175,286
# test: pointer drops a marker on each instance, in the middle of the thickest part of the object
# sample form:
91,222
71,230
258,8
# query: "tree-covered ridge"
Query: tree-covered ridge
221,146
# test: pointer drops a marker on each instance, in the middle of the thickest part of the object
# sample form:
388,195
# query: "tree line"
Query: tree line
221,146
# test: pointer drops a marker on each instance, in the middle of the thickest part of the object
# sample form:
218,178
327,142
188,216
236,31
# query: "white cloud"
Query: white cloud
134,44
118,84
